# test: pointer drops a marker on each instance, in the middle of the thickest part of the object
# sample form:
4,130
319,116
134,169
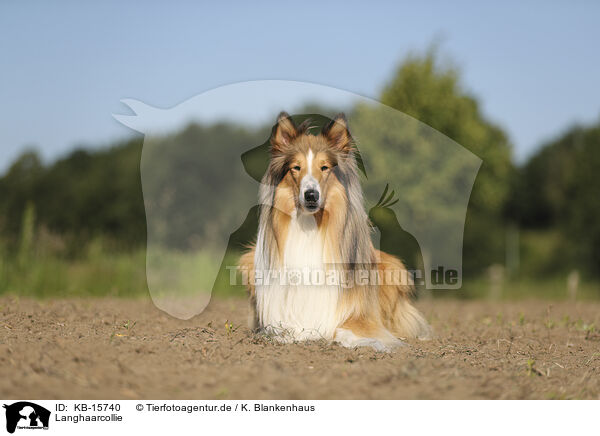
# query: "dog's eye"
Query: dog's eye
324,168
297,168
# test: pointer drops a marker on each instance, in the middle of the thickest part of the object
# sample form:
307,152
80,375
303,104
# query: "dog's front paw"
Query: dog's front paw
348,339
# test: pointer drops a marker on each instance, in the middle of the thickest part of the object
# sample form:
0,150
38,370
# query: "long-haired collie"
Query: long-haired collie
314,272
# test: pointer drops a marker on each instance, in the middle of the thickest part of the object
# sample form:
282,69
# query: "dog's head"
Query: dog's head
307,164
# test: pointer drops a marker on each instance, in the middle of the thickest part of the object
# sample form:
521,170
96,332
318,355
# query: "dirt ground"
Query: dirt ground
128,349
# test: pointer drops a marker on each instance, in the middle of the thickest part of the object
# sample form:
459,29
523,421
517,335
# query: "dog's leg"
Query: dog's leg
408,322
381,322
359,332
397,313
253,314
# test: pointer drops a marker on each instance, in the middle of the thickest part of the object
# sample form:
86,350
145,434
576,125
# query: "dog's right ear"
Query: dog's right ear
337,133
284,133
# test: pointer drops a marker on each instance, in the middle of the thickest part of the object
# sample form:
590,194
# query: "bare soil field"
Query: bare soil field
128,349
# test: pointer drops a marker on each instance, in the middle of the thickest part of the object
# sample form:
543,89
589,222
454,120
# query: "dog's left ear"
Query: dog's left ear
337,133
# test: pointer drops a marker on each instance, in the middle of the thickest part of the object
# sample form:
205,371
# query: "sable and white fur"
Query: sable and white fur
312,218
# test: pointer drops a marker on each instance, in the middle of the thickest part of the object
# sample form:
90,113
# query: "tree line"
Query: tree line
552,199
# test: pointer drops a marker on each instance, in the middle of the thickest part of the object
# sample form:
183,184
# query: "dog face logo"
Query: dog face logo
26,415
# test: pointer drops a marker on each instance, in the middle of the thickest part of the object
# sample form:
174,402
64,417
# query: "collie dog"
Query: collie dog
314,232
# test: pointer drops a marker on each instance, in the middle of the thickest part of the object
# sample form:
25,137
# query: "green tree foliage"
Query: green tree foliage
559,188
430,175
196,186
18,187
85,194
432,93
27,233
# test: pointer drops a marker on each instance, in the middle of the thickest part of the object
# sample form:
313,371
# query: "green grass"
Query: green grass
39,269
41,264
121,275
124,275
113,274
548,288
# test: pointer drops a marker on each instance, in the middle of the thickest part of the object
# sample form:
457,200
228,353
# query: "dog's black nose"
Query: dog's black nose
311,196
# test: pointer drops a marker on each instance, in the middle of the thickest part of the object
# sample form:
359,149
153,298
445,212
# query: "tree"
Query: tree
558,188
432,93
17,189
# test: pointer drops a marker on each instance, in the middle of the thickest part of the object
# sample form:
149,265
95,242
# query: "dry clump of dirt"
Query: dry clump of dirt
128,349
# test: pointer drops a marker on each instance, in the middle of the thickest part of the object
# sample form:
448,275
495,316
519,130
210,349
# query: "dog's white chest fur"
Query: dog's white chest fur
298,304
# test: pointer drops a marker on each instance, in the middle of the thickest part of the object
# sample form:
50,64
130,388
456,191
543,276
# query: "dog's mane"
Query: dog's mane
356,245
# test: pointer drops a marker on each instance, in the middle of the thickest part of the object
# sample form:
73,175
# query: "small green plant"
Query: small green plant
594,356
222,393
531,369
584,327
589,330
229,328
128,325
521,319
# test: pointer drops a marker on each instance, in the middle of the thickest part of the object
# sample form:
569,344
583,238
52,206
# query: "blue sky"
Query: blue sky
65,66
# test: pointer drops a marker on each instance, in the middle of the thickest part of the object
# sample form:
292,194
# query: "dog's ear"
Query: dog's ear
337,133
284,133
